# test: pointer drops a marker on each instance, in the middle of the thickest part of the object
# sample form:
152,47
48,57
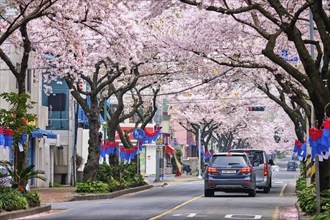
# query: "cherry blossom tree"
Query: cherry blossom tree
16,16
103,45
268,37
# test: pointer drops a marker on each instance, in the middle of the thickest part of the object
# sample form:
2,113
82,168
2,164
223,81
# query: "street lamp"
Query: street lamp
199,155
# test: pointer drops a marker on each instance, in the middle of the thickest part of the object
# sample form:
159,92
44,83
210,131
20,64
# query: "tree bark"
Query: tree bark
92,165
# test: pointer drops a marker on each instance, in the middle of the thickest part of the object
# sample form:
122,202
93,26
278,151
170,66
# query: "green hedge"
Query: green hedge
12,199
307,199
92,187
109,182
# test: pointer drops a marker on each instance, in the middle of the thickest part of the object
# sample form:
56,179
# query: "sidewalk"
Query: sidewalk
62,194
67,193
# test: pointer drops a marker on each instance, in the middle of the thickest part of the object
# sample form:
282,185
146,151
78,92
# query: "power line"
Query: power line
194,86
213,100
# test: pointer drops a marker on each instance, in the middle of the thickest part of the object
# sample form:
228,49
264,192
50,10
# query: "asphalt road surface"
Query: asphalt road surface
185,200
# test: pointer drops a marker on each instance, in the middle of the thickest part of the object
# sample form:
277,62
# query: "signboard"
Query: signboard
138,134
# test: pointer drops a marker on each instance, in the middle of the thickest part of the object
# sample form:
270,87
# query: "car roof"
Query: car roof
231,153
246,150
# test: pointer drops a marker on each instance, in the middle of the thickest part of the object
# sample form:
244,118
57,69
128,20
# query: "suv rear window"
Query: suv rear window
228,161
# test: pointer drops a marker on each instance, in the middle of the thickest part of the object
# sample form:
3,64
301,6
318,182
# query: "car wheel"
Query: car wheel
252,192
208,192
267,189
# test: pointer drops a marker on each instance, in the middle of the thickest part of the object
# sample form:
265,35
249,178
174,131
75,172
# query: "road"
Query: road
185,200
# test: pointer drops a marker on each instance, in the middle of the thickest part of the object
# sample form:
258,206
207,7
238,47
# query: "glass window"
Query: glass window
228,160
256,157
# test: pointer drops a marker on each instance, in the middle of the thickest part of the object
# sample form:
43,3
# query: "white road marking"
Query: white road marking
278,182
242,216
191,215
177,215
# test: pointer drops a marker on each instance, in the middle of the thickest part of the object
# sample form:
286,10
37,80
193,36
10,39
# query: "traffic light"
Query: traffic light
256,108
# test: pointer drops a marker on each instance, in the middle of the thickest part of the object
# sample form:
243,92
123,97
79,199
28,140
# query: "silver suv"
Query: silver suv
260,163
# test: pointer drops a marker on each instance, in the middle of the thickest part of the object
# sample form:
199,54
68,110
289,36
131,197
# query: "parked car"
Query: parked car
5,179
261,165
292,166
229,172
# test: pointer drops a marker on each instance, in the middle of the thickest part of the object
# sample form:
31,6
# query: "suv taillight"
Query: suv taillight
211,170
246,170
265,169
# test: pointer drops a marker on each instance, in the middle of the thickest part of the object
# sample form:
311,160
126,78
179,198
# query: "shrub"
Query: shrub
300,184
92,187
113,185
325,202
307,199
105,173
12,200
321,217
32,198
57,185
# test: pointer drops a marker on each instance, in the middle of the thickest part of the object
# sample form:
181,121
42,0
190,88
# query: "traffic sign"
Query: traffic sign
138,134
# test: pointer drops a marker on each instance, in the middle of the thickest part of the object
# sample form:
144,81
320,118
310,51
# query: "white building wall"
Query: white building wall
82,145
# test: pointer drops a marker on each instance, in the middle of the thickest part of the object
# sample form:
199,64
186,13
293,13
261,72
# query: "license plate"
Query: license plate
228,171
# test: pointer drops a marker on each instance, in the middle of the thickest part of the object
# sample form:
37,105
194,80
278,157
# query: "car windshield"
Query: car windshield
228,161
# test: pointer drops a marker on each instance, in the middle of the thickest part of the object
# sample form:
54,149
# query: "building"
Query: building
49,147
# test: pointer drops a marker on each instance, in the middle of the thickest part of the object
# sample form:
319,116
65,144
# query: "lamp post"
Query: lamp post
199,154
104,127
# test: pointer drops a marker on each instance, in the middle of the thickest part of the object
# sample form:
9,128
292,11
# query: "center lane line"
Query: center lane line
175,208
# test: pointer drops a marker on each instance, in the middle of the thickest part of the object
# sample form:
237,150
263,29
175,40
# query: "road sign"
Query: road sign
138,134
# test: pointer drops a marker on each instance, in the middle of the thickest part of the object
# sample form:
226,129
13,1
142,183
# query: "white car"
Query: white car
275,168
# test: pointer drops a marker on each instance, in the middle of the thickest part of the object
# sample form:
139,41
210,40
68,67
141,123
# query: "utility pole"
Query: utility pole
104,126
317,171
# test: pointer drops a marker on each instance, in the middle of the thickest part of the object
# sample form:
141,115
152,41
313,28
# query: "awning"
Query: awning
169,149
40,133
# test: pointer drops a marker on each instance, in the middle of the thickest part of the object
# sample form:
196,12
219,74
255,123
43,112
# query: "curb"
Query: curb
110,195
298,210
24,212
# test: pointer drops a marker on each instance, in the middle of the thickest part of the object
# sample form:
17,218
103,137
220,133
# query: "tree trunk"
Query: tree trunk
92,165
